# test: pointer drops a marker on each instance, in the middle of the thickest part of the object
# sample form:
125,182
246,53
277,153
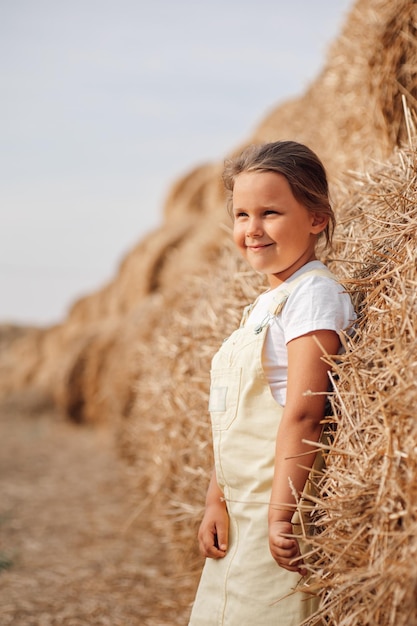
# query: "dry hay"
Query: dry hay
352,112
366,567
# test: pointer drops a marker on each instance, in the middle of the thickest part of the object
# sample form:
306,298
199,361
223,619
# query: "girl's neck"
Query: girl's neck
275,280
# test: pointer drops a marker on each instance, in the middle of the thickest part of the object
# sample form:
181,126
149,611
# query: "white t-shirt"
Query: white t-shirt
317,303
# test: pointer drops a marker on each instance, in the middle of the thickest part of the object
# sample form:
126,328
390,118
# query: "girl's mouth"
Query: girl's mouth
259,246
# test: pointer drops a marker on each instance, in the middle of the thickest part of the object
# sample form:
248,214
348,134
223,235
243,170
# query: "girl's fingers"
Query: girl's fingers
209,546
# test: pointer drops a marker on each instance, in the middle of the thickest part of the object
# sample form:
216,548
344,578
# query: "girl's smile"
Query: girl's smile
273,231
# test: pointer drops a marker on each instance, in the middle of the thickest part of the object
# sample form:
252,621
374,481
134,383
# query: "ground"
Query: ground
73,548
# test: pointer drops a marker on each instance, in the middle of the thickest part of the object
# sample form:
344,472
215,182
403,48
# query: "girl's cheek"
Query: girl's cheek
237,235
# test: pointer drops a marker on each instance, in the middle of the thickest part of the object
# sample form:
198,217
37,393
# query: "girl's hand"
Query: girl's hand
214,531
284,549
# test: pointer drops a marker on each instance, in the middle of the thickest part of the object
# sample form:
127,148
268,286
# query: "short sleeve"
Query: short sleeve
317,303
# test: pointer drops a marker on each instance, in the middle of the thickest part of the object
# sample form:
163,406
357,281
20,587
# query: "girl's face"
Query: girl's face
273,231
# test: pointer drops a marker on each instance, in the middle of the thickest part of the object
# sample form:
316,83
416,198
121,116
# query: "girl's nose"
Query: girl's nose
254,228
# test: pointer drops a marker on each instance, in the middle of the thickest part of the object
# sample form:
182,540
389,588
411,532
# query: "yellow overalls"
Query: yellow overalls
244,587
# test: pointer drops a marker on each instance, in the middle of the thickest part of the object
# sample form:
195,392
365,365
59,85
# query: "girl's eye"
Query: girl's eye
272,212
240,214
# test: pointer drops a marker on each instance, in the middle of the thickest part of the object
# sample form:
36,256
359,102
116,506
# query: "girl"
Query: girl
260,405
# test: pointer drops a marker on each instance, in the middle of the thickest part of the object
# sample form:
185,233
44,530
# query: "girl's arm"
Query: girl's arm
300,420
214,529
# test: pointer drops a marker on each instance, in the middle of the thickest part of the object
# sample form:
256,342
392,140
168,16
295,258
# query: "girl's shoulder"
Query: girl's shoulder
313,275
322,289
317,301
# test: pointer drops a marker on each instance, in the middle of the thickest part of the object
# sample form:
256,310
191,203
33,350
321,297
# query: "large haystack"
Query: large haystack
140,348
366,568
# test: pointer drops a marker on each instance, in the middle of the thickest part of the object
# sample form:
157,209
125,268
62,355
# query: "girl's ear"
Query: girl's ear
319,222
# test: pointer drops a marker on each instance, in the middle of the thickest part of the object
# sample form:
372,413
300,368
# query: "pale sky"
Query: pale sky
105,103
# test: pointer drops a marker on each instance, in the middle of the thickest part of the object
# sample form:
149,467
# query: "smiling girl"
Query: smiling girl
261,405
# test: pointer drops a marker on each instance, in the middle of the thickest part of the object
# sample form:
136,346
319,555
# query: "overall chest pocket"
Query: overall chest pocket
224,396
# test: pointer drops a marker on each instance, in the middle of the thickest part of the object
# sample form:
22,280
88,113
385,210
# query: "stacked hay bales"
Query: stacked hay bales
98,339
140,348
